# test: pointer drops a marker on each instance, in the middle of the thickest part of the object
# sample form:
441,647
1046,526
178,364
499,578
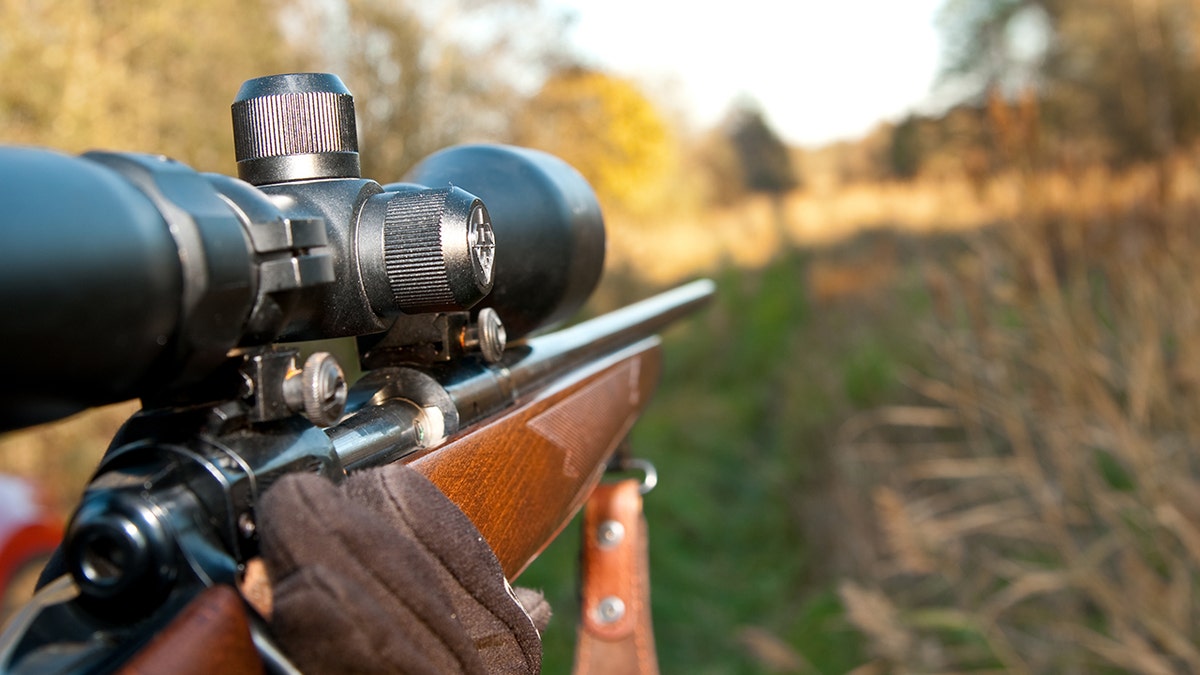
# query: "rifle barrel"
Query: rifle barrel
413,411
556,353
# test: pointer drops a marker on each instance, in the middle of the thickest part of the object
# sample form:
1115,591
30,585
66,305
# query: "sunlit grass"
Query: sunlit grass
1038,514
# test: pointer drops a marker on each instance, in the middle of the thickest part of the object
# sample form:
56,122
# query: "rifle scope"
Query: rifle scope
125,275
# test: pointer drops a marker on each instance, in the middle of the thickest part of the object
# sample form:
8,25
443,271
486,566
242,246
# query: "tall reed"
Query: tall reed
1042,512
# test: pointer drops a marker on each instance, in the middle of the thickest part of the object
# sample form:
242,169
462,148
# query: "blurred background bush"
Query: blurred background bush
943,414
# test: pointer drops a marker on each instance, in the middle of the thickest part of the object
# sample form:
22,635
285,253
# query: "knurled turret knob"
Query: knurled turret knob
294,127
439,249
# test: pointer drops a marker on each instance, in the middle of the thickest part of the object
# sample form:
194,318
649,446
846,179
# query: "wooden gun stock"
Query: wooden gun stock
521,478
211,635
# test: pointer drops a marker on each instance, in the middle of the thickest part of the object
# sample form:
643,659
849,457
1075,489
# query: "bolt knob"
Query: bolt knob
295,127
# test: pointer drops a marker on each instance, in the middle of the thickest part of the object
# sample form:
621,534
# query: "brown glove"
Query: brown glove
384,574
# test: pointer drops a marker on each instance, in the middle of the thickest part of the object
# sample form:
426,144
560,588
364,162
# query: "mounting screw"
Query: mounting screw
246,526
610,533
487,335
610,610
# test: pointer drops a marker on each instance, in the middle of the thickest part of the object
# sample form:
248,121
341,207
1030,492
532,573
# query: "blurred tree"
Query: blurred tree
1137,73
904,151
158,76
765,160
608,130
979,50
144,75
425,76
1122,76
958,142
714,156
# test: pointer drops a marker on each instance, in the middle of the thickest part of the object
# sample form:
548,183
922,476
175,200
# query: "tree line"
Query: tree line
1048,82
158,76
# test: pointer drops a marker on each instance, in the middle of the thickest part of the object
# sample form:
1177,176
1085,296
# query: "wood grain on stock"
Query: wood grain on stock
522,477
211,635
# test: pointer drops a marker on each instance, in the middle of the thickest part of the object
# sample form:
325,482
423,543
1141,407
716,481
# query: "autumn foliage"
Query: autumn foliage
607,128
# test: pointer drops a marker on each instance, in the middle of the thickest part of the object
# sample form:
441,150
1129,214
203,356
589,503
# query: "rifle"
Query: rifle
133,276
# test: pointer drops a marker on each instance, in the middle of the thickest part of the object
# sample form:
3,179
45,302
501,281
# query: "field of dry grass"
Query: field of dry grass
1033,503
749,234
1041,511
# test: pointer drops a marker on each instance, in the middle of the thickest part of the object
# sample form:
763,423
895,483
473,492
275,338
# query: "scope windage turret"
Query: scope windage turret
548,227
125,275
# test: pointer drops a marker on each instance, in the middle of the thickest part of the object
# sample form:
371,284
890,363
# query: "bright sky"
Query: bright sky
822,69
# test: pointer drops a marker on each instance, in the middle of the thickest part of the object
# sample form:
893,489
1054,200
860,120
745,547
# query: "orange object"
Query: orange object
29,533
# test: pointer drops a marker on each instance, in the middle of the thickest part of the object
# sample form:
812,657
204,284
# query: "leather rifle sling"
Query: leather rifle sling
615,634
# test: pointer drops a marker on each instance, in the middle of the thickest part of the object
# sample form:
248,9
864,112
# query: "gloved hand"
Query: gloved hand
384,574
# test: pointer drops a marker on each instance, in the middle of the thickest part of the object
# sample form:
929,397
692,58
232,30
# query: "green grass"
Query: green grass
740,432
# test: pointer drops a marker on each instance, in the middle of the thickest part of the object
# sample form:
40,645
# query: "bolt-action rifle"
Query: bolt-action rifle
133,276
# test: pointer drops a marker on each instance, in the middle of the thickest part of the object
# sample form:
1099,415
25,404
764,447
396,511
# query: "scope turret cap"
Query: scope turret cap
298,126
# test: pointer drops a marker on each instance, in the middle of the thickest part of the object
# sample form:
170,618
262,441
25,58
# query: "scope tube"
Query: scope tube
90,285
